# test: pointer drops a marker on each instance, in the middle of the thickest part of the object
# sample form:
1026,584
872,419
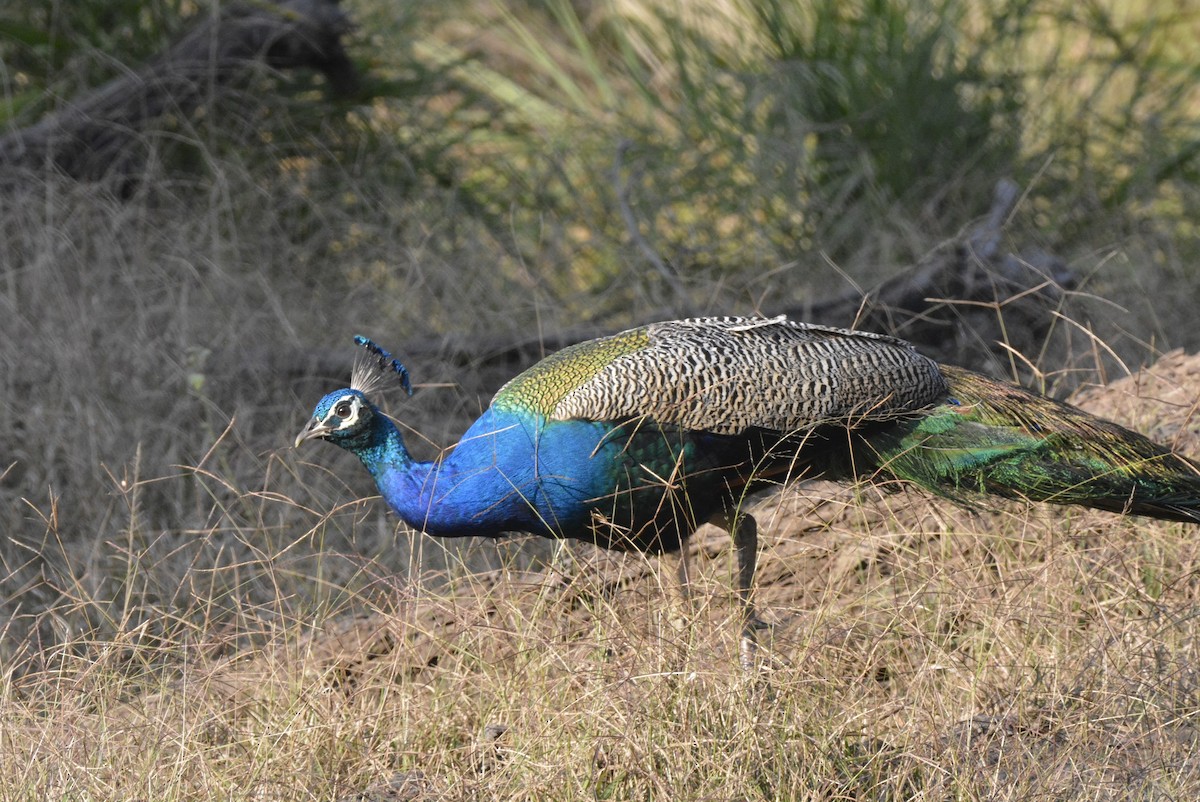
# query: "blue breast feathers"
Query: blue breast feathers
510,472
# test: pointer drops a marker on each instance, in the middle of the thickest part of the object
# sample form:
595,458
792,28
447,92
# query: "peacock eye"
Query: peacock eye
343,409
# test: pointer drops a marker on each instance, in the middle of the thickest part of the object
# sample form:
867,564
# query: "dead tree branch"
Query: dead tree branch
99,134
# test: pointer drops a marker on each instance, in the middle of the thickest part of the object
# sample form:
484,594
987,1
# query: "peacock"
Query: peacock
634,440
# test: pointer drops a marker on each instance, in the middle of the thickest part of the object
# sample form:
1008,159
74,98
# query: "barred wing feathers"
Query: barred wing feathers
726,375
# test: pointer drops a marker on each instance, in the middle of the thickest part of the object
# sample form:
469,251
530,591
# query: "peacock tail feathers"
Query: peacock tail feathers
992,437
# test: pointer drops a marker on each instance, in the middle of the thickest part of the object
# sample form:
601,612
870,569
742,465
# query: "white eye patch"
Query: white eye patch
347,409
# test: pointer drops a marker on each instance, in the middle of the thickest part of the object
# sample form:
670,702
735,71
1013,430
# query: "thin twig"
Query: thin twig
621,187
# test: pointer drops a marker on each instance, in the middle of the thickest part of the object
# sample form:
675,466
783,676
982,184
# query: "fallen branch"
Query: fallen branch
970,303
99,135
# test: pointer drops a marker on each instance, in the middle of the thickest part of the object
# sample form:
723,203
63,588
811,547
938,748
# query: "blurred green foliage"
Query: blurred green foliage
645,153
53,49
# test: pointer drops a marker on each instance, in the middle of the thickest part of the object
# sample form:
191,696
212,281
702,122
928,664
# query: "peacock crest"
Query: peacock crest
371,369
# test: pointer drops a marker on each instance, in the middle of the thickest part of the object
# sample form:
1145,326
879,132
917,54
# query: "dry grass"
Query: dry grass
916,652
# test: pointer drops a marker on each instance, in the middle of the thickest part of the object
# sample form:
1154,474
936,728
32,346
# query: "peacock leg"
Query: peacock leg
744,531
682,621
684,573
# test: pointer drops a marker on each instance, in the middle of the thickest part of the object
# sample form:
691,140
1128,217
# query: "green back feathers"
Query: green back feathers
542,387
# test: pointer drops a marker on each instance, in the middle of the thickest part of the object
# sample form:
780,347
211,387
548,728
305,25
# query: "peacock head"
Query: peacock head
346,417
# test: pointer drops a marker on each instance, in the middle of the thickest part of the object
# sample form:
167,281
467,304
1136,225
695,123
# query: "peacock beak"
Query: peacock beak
315,430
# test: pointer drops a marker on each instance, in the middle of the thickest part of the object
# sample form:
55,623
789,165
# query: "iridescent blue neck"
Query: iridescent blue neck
381,448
